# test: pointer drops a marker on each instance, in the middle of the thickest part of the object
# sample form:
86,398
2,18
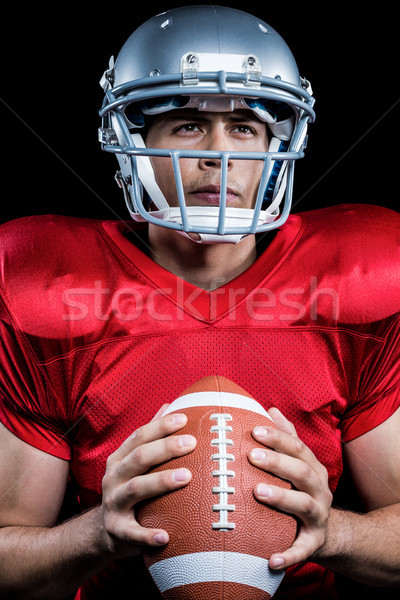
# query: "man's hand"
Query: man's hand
286,456
126,481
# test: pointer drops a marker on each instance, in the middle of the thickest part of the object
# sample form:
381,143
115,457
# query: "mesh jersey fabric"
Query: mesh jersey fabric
95,337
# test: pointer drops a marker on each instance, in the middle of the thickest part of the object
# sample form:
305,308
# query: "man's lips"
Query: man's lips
210,194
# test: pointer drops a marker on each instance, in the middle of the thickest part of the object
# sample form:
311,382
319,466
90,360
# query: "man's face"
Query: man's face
191,129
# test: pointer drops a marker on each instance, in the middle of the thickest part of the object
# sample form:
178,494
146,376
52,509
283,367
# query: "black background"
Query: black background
52,61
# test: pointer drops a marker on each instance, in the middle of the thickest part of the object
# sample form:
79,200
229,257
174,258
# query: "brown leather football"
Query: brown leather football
221,537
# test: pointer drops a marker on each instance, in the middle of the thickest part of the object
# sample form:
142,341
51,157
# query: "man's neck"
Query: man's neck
207,266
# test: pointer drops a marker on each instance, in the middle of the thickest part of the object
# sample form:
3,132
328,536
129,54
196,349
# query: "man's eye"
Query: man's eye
246,129
188,128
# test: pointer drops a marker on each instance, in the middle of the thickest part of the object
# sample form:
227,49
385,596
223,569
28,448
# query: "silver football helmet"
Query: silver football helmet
211,58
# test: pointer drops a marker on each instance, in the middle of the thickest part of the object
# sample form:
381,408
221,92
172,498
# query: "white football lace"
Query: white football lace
223,508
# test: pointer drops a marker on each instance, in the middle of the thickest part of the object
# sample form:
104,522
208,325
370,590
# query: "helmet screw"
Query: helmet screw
155,73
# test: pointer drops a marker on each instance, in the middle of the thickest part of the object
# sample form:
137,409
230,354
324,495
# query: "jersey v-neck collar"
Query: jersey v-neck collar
201,304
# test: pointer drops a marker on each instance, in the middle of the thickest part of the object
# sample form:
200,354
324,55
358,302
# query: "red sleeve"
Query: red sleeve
379,388
26,406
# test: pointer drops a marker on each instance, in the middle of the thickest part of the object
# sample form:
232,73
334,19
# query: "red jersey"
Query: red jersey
95,337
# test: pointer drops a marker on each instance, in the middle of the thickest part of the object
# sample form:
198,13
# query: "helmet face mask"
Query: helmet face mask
234,62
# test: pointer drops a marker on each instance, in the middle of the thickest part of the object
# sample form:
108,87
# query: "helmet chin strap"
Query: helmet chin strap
208,216
146,175
202,216
213,238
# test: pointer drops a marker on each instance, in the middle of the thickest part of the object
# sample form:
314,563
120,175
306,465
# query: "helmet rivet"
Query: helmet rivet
155,73
191,58
251,60
278,77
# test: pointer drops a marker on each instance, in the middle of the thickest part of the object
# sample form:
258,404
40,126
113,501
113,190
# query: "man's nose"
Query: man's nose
216,141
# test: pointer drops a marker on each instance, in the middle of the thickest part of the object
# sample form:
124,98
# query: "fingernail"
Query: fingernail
161,538
181,475
264,490
260,432
277,563
178,419
186,441
257,454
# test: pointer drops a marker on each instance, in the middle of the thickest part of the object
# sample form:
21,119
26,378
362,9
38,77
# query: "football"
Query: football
221,537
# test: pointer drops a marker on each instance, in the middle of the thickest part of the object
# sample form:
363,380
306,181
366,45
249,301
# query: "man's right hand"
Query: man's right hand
127,481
